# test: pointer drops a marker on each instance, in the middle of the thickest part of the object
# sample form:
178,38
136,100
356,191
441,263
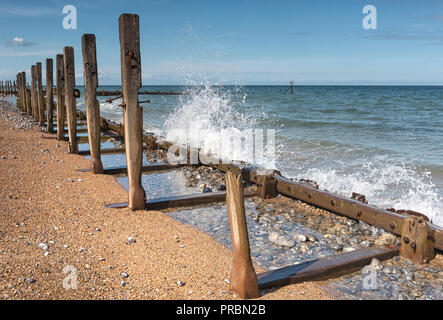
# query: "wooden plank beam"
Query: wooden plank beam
85,139
149,168
182,201
387,220
103,151
105,93
324,268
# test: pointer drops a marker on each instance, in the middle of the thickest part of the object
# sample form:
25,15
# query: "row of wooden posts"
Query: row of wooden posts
8,87
417,238
35,101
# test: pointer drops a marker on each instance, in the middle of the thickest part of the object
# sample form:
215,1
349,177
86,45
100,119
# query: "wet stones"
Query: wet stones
385,240
300,238
281,240
394,279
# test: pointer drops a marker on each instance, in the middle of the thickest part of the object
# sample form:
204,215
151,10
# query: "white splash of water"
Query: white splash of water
385,184
210,119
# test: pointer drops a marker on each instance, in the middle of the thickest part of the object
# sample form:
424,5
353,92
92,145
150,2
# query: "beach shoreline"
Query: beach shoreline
54,219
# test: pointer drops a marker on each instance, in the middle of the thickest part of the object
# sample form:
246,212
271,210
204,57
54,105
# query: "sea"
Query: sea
385,142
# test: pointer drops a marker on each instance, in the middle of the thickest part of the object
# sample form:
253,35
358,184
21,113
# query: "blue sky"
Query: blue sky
239,42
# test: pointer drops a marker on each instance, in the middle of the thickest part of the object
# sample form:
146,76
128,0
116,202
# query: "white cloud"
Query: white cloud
19,42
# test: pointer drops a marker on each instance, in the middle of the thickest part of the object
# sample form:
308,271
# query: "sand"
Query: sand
45,200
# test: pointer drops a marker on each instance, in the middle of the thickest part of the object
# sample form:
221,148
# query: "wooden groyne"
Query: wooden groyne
419,237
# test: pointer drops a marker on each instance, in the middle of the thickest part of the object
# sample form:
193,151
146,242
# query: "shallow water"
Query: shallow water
213,220
385,142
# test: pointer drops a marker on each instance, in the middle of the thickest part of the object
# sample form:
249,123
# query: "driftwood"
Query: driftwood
129,31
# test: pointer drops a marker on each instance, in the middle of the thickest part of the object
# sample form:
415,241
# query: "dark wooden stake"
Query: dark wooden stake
132,112
23,89
243,277
28,101
19,92
61,111
34,95
41,110
92,105
49,96
417,240
69,72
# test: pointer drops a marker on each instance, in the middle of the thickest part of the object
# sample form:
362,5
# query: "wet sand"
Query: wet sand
45,201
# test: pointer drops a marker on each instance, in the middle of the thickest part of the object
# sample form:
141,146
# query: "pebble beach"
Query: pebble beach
54,220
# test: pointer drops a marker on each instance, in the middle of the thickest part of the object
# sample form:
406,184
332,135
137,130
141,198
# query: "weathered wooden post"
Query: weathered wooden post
19,99
243,277
41,110
34,97
28,100
49,96
71,108
25,93
20,91
132,113
417,240
60,97
18,102
91,102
